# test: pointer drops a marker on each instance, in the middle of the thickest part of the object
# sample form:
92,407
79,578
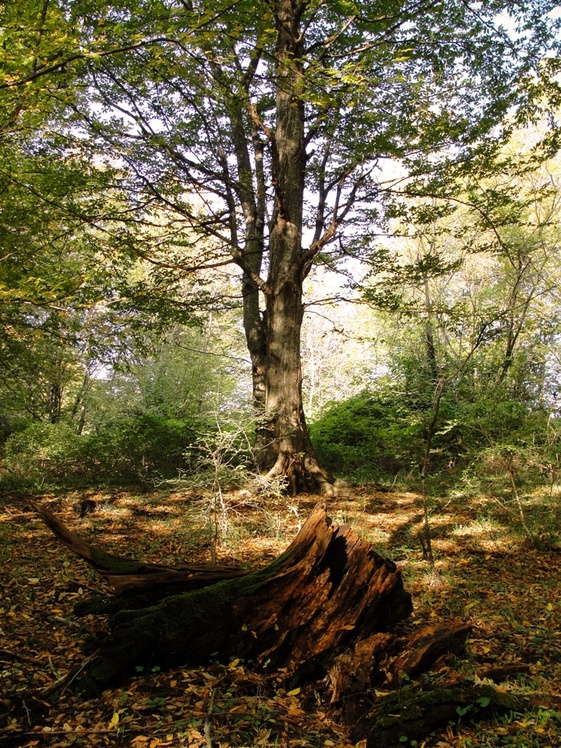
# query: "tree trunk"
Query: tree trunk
289,452
252,194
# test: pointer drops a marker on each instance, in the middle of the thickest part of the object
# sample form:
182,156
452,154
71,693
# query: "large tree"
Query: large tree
258,132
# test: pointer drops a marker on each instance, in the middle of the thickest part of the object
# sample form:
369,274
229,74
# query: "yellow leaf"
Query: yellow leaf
550,606
33,580
295,711
114,720
294,692
234,664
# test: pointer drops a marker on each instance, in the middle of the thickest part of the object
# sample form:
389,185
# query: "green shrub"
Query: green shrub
376,435
136,449
42,454
369,436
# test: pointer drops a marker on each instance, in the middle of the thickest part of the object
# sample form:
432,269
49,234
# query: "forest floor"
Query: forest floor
485,574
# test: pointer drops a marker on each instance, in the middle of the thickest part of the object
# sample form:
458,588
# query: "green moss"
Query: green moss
411,713
187,627
116,564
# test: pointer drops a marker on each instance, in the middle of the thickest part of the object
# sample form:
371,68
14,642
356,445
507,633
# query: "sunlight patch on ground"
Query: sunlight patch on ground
484,575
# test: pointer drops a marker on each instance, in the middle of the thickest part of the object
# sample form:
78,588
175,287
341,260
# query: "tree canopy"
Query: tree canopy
274,136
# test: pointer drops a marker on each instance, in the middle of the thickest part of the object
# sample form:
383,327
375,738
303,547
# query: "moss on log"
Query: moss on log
128,576
412,713
329,588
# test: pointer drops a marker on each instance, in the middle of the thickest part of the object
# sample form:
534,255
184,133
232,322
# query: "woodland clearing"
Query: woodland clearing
485,575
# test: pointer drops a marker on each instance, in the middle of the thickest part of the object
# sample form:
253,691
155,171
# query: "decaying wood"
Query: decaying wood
384,660
128,576
325,611
503,672
411,714
425,647
329,589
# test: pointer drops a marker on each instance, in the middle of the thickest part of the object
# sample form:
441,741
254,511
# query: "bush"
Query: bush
137,449
369,437
41,454
376,435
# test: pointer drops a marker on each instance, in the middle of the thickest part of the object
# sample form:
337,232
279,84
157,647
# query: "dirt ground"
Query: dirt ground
485,573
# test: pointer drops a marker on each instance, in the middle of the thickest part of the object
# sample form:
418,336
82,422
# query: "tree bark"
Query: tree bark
327,590
289,451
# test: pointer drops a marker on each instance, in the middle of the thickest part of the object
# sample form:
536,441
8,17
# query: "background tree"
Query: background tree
263,127
467,298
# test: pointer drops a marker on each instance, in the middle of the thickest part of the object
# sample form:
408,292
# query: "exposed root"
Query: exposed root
303,474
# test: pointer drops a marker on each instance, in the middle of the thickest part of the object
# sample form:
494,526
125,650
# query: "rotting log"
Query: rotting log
327,590
386,661
412,713
325,611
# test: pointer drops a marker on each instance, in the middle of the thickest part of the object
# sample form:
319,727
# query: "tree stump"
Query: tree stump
324,611
326,591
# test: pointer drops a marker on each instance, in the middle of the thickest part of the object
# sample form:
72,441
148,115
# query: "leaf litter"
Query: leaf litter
509,593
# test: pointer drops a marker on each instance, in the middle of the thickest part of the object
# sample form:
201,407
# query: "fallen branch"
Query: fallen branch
126,575
67,679
20,656
412,713
502,672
